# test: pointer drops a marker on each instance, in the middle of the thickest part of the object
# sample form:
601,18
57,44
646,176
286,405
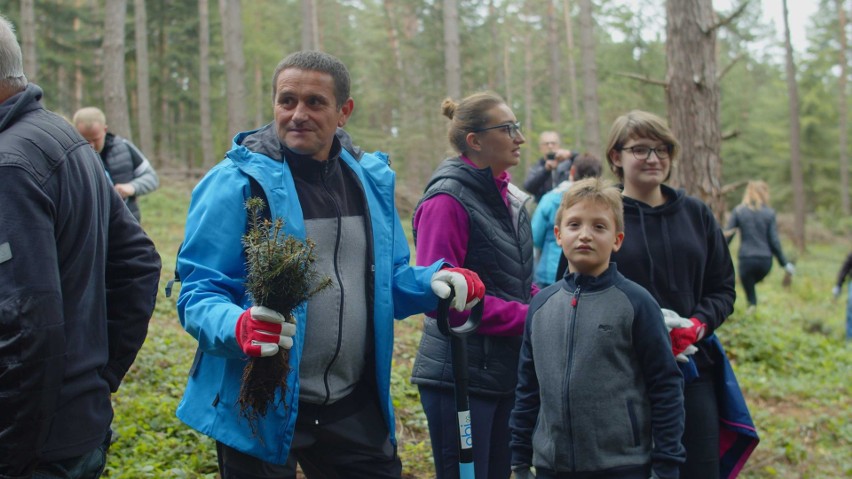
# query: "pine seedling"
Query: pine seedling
280,276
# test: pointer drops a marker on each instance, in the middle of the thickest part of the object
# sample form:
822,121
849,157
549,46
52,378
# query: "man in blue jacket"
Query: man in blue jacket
78,282
336,418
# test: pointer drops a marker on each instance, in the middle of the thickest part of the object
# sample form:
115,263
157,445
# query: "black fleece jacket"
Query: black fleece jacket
78,282
678,253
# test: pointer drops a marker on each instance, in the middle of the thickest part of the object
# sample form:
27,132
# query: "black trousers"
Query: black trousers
752,271
326,447
701,431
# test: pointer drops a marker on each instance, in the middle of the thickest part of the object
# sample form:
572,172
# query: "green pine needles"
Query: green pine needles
280,276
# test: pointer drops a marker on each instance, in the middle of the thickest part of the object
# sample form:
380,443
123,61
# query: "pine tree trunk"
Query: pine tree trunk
235,65
592,121
554,70
143,84
207,157
28,39
693,100
452,62
572,77
115,91
796,176
844,114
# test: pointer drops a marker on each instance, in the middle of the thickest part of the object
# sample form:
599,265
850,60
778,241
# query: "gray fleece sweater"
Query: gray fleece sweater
598,387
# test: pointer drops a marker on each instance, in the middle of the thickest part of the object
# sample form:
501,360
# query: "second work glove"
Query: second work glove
262,331
684,337
674,320
466,284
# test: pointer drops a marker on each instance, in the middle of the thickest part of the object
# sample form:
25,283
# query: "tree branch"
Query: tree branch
727,135
729,66
726,20
732,186
644,79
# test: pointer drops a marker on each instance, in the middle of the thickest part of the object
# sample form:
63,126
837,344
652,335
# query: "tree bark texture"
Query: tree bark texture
693,100
591,115
115,92
235,65
143,84
28,39
554,69
795,147
572,77
207,157
452,62
844,114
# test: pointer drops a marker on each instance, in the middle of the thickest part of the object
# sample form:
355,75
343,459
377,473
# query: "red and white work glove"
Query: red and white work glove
684,333
262,331
466,284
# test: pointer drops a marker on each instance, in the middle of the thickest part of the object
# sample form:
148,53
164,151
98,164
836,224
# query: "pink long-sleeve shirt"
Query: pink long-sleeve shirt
443,230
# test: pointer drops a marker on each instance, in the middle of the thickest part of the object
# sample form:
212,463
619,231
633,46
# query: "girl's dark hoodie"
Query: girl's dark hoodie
678,253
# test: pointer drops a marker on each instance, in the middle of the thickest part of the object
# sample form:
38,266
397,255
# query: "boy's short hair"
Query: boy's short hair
599,190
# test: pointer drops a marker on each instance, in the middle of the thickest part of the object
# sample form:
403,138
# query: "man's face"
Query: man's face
306,112
548,143
94,133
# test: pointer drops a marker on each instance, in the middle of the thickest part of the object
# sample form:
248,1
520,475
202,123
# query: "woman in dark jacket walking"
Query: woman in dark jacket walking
472,216
674,247
755,221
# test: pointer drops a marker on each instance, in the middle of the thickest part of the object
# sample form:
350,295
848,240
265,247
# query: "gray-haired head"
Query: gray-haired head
11,62
317,62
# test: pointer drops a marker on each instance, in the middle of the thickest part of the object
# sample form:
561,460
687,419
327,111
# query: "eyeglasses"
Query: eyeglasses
642,152
512,129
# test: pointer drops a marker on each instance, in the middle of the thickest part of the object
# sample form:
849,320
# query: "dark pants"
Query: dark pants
489,423
355,446
619,473
701,431
752,271
88,466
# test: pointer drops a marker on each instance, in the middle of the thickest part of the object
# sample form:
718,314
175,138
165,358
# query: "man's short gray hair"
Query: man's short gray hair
318,62
11,61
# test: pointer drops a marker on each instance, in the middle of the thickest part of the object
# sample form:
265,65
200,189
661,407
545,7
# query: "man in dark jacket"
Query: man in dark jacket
78,282
552,168
128,168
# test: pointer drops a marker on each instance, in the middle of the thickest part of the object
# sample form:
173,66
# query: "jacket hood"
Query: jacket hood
674,198
18,104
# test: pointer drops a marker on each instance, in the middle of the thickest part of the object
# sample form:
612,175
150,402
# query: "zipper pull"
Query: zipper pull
576,296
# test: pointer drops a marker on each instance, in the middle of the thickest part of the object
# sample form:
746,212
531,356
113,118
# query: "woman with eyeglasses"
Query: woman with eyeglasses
674,247
472,216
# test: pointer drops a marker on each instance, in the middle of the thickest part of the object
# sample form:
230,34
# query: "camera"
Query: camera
551,155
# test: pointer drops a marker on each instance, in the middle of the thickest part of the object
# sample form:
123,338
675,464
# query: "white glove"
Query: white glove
466,284
835,291
523,472
790,268
674,320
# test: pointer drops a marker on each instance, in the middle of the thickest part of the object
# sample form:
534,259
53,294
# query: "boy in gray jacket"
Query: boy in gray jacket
599,393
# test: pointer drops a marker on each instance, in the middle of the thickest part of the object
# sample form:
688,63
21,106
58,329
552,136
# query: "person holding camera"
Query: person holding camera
551,169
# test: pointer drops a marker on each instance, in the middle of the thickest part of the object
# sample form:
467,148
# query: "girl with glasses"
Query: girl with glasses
674,247
472,216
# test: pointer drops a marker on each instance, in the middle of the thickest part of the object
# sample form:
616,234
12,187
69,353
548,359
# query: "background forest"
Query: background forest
181,77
